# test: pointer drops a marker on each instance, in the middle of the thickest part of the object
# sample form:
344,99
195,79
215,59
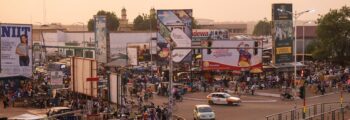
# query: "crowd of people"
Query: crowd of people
319,77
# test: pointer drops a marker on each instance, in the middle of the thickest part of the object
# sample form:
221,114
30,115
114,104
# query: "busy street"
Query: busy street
174,60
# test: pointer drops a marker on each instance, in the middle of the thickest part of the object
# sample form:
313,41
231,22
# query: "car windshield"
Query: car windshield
204,109
227,95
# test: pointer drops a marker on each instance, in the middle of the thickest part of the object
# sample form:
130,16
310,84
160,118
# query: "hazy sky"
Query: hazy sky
72,11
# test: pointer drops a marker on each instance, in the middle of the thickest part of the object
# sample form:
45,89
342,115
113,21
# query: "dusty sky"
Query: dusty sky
73,11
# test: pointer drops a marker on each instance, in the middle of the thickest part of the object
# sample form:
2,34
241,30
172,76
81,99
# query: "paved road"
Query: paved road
256,109
252,108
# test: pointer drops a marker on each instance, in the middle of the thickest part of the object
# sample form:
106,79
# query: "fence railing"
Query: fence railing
311,110
336,114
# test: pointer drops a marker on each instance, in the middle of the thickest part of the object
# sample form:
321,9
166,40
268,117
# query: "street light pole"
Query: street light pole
171,82
296,15
303,60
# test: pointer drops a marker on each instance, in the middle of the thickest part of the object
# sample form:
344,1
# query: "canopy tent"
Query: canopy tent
15,78
27,117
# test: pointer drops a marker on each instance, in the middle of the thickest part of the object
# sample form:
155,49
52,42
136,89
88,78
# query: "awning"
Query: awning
15,78
117,63
288,65
27,117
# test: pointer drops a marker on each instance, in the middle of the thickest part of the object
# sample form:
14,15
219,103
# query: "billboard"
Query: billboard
209,34
16,50
174,25
83,69
101,40
245,57
282,33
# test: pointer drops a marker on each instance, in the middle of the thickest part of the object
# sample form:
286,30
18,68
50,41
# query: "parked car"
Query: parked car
223,98
60,110
203,112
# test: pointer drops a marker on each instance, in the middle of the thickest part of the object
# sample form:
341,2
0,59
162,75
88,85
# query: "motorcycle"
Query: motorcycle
286,96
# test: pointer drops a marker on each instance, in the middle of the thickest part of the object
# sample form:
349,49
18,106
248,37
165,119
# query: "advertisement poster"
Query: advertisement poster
16,50
209,34
244,58
101,40
282,33
56,78
168,21
132,56
143,51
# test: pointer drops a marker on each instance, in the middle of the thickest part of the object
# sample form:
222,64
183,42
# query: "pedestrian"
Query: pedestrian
159,112
252,89
6,102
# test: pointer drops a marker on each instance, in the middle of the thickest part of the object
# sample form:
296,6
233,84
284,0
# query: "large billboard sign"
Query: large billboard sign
84,68
282,33
175,26
101,39
209,34
16,50
247,56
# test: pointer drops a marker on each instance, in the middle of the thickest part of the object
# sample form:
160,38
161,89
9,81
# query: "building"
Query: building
233,29
123,22
305,36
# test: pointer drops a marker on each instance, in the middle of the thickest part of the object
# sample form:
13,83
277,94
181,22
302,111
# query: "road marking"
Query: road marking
259,101
245,101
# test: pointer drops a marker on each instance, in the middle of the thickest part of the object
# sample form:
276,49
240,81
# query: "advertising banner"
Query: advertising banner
101,40
209,34
168,21
132,56
83,69
56,78
143,51
180,40
282,33
16,50
244,58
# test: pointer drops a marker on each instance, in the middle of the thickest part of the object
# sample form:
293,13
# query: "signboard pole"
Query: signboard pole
170,83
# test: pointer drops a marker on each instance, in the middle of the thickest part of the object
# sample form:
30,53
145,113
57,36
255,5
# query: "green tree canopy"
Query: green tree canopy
333,32
262,28
112,21
144,22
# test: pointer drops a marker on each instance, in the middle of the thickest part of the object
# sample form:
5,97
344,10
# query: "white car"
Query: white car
223,98
203,112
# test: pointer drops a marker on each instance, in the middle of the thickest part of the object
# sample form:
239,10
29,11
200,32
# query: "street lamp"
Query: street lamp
304,39
296,16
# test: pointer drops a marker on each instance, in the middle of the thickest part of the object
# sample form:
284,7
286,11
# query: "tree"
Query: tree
138,23
262,28
112,21
144,22
333,32
195,23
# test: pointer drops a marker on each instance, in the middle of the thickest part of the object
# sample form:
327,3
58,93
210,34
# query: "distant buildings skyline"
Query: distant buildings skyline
69,12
